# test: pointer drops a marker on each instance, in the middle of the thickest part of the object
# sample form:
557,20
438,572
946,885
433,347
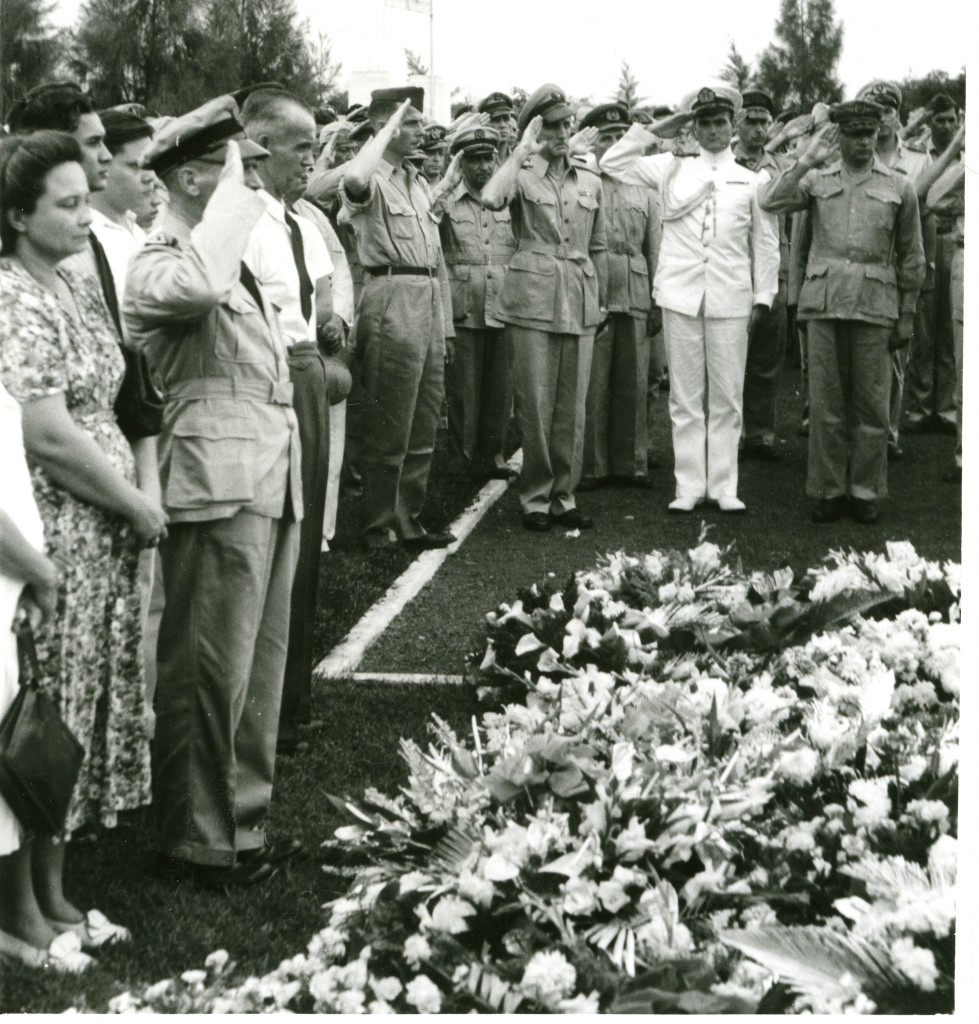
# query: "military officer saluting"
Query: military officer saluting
502,119
477,245
230,473
864,269
550,303
717,278
435,152
616,433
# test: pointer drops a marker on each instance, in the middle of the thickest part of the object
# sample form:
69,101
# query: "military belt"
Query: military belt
562,252
480,259
624,248
402,271
265,392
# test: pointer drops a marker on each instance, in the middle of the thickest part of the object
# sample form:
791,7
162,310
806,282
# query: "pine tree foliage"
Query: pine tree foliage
31,47
627,92
737,70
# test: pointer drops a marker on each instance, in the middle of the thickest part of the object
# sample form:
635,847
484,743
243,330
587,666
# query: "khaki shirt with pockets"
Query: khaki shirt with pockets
551,283
395,226
477,245
633,228
865,259
230,438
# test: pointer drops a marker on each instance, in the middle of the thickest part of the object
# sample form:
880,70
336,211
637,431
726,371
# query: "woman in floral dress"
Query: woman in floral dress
60,359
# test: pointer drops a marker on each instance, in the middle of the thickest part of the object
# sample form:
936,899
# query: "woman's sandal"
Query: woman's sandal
64,955
95,931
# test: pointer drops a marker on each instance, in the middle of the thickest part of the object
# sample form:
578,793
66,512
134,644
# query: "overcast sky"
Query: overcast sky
496,44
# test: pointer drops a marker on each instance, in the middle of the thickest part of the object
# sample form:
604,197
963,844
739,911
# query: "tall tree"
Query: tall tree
627,91
416,66
917,92
799,67
737,71
31,47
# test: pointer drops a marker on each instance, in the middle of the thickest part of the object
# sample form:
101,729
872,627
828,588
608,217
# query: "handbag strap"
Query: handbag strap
30,670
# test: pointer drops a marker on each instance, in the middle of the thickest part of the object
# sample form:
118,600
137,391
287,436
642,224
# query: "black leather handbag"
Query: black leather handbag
39,757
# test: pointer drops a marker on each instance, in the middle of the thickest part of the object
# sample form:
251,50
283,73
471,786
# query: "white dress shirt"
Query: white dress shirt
269,257
721,257
341,283
119,241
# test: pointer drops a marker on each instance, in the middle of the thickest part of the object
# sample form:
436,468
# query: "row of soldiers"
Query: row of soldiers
517,262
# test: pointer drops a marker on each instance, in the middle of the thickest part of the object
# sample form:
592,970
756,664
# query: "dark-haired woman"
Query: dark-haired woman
60,360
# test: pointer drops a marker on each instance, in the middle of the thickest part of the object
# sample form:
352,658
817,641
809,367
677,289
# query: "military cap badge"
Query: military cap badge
612,115
479,134
706,96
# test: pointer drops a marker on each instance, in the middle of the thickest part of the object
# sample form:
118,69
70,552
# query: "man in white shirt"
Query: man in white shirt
717,273
290,261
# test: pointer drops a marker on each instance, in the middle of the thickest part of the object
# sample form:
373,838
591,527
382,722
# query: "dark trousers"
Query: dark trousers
762,374
314,388
221,657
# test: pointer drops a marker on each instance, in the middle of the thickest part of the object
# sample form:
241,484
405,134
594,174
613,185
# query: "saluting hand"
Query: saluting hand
453,174
233,169
325,159
529,143
393,127
822,147
583,142
670,127
472,119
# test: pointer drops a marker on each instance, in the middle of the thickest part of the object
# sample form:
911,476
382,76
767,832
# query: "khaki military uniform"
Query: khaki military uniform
865,264
616,429
403,317
549,303
230,476
477,245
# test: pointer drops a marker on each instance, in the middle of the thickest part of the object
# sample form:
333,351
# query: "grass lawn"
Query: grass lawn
176,926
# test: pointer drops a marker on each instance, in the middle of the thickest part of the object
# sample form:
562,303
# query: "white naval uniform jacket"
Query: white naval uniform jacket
721,257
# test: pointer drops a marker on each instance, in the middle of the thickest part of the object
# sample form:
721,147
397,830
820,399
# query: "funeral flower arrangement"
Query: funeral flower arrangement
690,789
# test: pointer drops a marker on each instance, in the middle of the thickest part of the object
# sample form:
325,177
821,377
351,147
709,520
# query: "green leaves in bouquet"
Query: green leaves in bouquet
678,986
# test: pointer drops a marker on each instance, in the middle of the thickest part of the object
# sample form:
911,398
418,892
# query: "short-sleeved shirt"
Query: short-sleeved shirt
558,221
477,245
270,258
394,223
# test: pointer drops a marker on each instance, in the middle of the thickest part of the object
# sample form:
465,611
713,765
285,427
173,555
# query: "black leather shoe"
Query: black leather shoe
209,876
573,519
271,853
829,510
863,510
914,427
502,473
894,453
428,541
536,521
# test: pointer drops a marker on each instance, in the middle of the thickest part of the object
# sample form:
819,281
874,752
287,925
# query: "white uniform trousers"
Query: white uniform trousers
338,434
706,358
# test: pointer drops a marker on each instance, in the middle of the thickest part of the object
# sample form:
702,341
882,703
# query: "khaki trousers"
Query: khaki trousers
550,386
480,397
763,372
222,655
931,364
849,390
316,382
616,434
706,357
401,343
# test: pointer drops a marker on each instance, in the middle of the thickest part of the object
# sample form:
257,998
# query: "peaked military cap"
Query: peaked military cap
856,115
362,131
399,94
475,141
712,98
549,101
122,126
356,114
200,131
607,115
494,103
941,102
433,138
887,94
242,94
757,98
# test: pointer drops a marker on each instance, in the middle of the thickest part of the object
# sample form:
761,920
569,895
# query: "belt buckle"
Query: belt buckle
282,392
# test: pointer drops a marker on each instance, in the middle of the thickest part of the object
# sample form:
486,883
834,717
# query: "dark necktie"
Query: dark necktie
299,255
248,280
105,280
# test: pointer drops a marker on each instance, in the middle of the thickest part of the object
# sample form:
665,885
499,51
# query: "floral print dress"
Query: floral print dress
90,655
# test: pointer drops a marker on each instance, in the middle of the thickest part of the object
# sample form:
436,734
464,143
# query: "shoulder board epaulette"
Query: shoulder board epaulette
160,237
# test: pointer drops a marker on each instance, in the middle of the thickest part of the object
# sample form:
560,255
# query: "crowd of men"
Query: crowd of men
315,286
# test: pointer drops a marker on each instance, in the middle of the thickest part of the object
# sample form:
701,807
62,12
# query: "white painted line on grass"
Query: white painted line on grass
407,678
341,662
